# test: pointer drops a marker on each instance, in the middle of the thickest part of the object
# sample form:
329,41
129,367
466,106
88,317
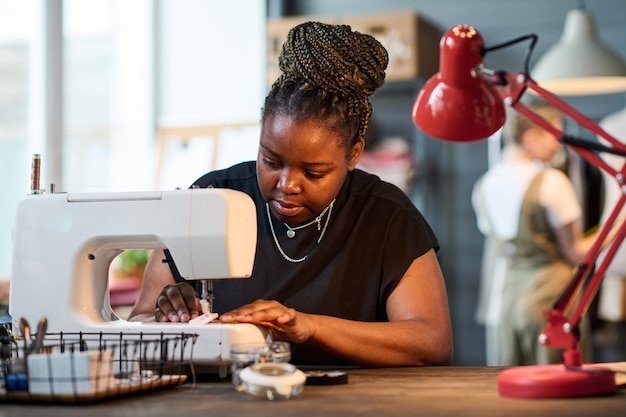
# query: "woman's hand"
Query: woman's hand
296,327
176,303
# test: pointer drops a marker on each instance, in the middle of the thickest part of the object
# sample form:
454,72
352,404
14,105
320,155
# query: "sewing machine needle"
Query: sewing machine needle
205,304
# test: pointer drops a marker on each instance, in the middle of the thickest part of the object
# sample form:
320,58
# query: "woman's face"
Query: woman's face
539,143
300,167
545,145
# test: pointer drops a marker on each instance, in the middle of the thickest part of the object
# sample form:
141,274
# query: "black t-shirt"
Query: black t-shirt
373,235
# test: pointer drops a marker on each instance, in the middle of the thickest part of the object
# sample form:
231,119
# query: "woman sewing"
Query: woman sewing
345,264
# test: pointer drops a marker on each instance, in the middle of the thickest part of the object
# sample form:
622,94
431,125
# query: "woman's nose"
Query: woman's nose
288,182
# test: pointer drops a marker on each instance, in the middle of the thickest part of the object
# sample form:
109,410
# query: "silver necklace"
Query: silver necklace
291,232
317,220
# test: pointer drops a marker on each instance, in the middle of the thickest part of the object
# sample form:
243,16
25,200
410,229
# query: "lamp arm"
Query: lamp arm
596,146
562,331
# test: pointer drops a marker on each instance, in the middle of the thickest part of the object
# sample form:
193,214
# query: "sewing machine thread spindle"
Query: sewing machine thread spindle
35,172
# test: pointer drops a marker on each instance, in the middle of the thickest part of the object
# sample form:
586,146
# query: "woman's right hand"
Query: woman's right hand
177,303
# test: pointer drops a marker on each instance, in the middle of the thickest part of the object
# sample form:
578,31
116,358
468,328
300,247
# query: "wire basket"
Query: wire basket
86,367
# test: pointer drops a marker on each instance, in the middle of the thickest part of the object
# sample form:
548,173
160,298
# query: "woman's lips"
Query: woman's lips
286,210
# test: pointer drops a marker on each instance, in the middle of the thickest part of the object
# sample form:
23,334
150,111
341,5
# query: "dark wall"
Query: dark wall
443,190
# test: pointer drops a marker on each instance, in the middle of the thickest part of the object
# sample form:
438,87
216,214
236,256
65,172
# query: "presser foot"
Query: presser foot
204,319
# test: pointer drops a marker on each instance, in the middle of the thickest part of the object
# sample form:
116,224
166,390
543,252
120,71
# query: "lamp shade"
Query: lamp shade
580,64
457,104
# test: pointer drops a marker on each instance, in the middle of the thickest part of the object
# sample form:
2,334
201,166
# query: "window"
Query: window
16,30
127,67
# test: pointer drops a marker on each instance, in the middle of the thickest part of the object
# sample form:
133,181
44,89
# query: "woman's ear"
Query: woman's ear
355,154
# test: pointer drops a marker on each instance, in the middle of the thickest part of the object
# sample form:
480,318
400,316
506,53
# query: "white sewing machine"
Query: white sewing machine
65,243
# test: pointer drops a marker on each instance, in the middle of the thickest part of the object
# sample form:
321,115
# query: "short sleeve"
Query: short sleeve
558,196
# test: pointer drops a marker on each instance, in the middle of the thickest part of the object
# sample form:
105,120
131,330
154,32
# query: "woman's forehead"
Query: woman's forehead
282,130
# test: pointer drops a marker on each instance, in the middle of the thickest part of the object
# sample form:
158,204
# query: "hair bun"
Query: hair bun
334,58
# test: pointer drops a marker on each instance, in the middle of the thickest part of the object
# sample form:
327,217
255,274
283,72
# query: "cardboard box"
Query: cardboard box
411,41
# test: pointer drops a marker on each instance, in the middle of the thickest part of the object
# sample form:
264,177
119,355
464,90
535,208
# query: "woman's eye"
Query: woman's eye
270,163
315,175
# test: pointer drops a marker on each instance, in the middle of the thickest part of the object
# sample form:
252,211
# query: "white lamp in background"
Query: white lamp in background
580,64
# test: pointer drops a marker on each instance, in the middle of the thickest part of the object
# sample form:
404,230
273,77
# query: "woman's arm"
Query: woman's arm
574,245
571,242
160,298
419,331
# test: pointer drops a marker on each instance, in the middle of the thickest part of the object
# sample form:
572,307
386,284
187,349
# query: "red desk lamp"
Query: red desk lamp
465,102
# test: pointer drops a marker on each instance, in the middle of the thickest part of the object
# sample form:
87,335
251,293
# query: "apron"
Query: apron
528,274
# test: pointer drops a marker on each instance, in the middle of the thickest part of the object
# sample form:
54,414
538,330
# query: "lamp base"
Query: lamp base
556,381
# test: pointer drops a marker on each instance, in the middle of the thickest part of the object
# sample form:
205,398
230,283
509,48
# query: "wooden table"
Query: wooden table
428,391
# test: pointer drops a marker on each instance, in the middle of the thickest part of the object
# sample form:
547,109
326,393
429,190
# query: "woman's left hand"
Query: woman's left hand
296,327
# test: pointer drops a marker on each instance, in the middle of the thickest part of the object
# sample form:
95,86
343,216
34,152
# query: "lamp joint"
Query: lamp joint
543,339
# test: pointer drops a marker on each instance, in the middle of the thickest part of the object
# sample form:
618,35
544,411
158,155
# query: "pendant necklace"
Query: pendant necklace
291,232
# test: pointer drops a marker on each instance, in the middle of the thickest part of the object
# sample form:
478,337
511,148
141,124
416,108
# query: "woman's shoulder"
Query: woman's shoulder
556,182
236,176
369,192
369,185
557,175
507,174
383,206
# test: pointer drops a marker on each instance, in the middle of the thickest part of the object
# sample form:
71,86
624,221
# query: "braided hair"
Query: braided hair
328,74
